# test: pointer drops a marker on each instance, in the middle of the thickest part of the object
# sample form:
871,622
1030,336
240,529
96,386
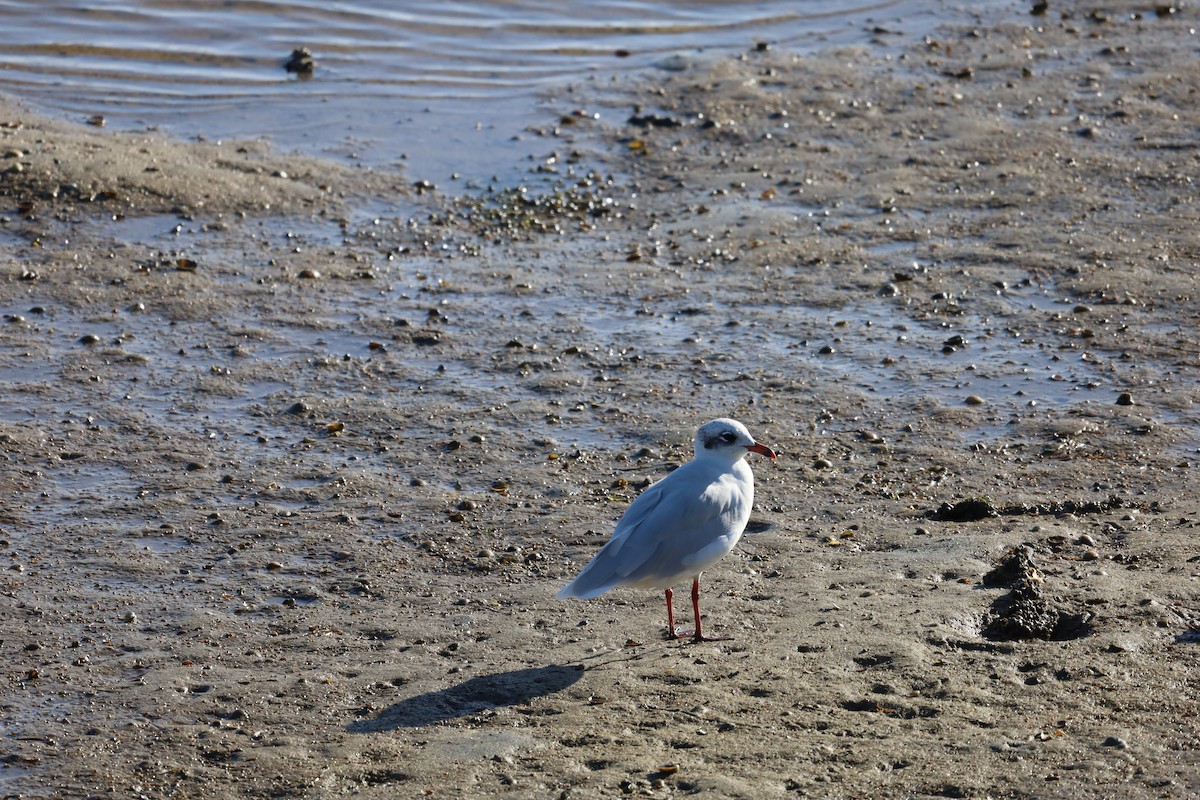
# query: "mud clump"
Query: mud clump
971,510
1028,611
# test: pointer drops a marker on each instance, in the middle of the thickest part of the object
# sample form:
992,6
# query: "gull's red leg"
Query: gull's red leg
671,634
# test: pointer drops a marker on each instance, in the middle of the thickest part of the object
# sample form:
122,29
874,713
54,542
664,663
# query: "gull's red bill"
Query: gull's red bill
761,449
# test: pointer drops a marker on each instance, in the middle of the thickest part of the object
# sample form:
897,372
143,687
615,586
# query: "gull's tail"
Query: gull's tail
595,579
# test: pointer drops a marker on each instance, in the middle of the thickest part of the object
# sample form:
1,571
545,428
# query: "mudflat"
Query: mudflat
290,486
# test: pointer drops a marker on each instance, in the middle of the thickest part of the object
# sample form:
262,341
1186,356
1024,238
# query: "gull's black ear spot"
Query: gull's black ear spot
720,440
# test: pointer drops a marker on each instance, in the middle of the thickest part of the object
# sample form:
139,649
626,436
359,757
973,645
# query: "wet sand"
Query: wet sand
292,487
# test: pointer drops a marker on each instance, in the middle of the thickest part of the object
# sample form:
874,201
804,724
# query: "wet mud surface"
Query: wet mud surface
291,489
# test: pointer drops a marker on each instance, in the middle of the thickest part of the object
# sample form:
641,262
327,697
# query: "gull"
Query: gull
681,525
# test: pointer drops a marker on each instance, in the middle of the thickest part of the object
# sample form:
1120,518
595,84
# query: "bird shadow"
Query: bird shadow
756,527
481,693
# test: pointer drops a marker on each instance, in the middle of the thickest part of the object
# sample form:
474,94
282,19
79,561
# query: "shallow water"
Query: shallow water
446,89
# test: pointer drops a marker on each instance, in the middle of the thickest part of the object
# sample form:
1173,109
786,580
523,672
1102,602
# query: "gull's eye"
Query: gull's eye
729,437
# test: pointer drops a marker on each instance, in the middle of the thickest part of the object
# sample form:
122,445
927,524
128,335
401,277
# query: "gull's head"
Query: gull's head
728,440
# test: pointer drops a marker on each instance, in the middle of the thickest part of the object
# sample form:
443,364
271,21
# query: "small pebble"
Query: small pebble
822,463
301,62
1117,742
1125,399
274,566
91,338
1091,554
974,400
